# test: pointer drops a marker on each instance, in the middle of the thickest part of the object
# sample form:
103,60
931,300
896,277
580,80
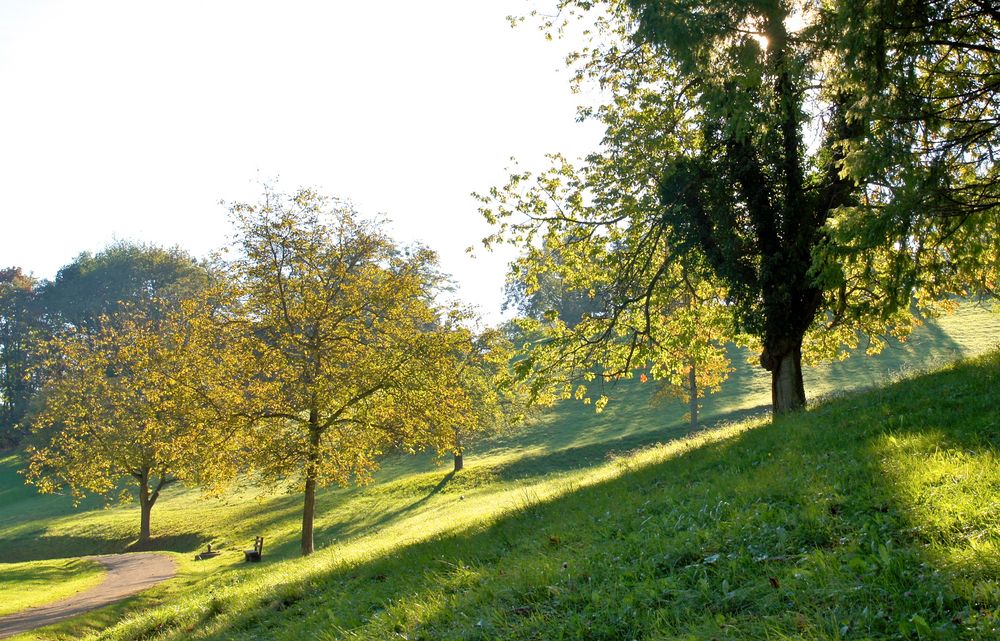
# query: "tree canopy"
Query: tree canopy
927,81
353,354
120,414
124,273
727,157
91,287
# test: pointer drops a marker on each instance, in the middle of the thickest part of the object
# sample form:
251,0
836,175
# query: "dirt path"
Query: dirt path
127,575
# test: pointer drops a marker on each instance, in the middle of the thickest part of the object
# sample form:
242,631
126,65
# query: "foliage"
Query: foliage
120,416
726,151
353,355
540,294
20,326
88,289
927,75
123,274
644,299
691,359
495,401
582,327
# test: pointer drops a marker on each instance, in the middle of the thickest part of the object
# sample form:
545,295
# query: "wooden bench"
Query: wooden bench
258,550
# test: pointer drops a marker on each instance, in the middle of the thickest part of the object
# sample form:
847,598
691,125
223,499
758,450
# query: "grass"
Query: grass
873,514
34,583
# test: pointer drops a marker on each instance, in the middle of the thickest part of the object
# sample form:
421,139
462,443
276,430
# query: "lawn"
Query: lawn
564,531
34,583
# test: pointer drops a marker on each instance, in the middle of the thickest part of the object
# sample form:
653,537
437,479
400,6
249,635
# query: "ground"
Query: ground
561,531
123,576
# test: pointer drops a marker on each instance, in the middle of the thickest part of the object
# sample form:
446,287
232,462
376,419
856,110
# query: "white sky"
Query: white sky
132,119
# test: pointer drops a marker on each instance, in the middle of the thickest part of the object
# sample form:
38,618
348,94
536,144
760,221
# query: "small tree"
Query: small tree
494,400
690,359
348,348
118,417
647,305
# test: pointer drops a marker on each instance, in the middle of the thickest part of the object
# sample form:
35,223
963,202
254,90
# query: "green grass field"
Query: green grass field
870,516
35,583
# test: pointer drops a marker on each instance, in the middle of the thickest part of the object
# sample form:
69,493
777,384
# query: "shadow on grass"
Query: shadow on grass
44,547
793,530
524,468
35,574
581,456
172,543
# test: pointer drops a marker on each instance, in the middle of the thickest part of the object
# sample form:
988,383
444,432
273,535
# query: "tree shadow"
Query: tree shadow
784,530
523,468
929,346
581,456
45,547
170,543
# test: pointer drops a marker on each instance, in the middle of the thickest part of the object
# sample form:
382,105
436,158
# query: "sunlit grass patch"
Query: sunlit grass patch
34,583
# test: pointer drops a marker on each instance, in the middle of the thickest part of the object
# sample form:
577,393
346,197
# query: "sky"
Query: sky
125,120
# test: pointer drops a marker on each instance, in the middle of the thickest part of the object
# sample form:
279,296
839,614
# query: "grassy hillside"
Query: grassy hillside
34,583
872,515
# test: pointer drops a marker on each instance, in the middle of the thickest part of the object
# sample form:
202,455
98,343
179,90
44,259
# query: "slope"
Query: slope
870,516
414,503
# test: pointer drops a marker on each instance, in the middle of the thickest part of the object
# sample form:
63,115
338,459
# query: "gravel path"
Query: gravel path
128,574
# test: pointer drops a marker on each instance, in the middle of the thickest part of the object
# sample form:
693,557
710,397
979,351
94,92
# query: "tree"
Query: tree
20,325
540,293
97,285
494,400
690,359
678,330
351,352
725,150
121,414
88,289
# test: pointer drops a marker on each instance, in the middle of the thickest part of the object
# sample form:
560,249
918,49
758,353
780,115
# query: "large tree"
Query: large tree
726,153
352,354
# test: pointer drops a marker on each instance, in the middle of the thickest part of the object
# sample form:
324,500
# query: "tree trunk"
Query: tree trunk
693,389
145,508
788,392
309,501
147,498
308,515
459,451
